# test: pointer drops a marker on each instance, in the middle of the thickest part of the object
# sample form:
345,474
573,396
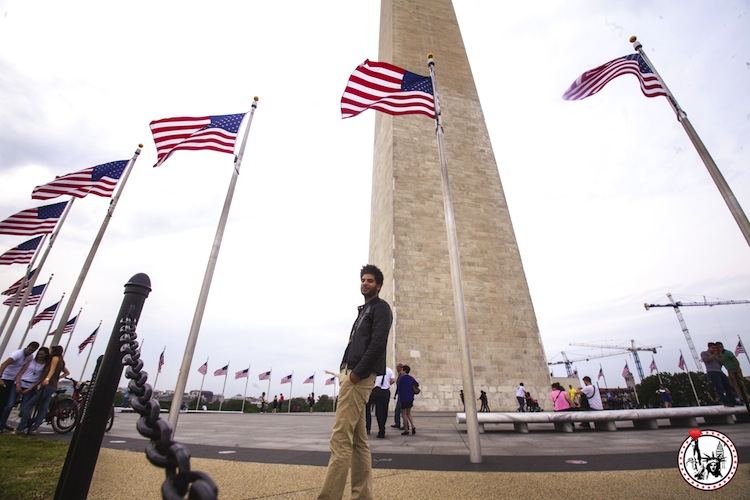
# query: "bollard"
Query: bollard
75,478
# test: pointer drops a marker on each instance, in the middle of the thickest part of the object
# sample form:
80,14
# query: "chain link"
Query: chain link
161,451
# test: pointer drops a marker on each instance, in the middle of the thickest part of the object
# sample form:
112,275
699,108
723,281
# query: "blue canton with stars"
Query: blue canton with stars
415,82
230,123
113,170
642,66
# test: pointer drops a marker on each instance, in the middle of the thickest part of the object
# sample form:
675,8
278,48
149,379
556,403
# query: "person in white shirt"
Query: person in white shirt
380,397
521,396
590,394
8,371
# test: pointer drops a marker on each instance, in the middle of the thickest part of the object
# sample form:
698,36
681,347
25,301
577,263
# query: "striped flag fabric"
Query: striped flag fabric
331,381
265,375
216,133
389,89
204,368
286,379
652,366
594,80
12,289
740,349
241,373
89,340
33,221
22,254
222,371
161,361
681,362
601,374
69,326
32,300
45,315
310,379
626,371
100,180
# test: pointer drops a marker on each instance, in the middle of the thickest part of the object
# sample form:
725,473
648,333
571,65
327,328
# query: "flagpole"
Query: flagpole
603,376
83,372
20,289
224,389
689,378
52,321
268,391
743,348
467,371
244,396
95,246
203,296
200,392
289,403
36,309
32,279
70,337
713,170
158,370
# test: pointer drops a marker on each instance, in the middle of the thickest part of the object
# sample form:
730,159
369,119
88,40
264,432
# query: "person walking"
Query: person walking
407,387
521,396
363,361
380,397
483,398
397,408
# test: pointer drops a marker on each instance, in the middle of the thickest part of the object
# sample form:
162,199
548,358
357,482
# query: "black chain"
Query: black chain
161,451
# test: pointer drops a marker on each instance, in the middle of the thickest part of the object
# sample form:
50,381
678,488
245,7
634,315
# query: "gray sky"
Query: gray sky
611,205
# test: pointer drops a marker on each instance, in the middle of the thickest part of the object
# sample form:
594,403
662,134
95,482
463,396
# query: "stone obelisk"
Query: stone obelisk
408,235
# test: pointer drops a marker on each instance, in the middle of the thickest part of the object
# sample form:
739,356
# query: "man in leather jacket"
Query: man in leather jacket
363,361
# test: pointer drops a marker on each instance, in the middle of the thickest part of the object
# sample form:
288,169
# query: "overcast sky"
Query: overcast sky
611,205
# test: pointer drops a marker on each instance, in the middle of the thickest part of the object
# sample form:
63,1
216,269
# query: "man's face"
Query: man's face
30,350
368,286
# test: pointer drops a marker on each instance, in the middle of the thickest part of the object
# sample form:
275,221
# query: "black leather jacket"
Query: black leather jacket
365,353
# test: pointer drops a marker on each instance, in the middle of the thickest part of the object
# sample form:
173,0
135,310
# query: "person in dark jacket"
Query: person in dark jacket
363,361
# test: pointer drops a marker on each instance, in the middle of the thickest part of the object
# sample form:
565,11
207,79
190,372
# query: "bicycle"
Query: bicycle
80,395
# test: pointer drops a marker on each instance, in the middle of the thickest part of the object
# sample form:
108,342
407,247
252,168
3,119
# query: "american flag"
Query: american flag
594,80
310,379
652,366
681,362
740,349
100,180
601,374
161,360
241,373
286,379
69,326
21,254
265,375
89,340
39,220
331,381
204,368
12,289
222,371
45,315
217,133
626,371
33,299
387,88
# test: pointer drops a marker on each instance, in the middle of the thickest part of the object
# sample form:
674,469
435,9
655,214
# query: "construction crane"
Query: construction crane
677,304
624,350
569,362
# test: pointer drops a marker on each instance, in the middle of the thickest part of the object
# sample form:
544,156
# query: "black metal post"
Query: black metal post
83,452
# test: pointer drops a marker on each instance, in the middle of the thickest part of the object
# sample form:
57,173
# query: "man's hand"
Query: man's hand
354,378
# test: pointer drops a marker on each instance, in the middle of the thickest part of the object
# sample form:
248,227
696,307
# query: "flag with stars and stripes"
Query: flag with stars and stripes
286,379
32,300
264,375
740,349
652,367
310,379
89,340
38,220
241,373
45,315
222,371
69,326
22,254
161,360
389,89
626,371
594,80
100,180
331,381
681,362
216,133
204,368
25,280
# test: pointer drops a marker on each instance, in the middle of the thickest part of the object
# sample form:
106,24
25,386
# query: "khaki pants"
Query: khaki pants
349,446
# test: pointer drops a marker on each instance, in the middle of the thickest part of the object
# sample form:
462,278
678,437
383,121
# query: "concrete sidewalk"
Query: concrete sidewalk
284,456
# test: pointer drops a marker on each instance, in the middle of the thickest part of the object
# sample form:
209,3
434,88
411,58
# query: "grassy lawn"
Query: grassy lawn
30,466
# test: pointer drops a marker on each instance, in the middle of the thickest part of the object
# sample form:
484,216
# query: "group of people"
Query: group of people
731,388
585,398
406,388
33,377
275,404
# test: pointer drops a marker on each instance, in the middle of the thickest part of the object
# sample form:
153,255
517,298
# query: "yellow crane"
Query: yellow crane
676,306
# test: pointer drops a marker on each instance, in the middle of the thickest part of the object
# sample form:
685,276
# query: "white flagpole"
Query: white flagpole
83,372
658,373
25,280
244,395
52,321
224,389
744,349
36,309
187,359
603,376
95,246
70,336
200,392
158,369
691,381
713,170
289,402
467,371
268,391
32,280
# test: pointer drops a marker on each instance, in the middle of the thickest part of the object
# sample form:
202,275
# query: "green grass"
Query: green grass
30,466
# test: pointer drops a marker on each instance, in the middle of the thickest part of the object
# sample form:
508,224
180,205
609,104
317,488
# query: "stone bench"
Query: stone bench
605,419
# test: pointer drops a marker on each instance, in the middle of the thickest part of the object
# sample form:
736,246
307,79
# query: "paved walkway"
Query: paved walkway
284,456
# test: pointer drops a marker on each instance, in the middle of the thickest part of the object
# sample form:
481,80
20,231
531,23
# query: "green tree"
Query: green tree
679,387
